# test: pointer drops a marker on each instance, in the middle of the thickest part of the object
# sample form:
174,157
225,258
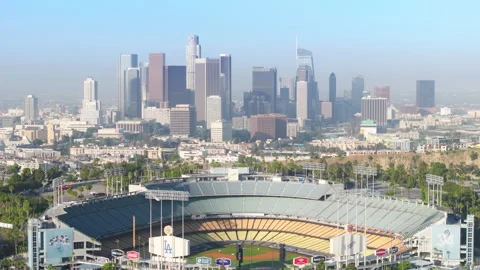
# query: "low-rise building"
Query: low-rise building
97,152
131,126
402,144
114,133
26,153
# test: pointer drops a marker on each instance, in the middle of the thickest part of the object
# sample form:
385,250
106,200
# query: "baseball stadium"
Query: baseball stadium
217,215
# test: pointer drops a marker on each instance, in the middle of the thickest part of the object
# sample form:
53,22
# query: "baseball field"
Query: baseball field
253,256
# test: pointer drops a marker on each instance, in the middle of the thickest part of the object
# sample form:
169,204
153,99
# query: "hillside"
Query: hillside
410,159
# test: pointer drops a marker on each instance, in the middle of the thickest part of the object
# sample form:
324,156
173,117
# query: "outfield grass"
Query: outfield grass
248,250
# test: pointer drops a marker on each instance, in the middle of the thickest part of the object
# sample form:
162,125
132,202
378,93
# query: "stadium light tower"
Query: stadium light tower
313,166
367,171
167,195
112,173
434,181
57,185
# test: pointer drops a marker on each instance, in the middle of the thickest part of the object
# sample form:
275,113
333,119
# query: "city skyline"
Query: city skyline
345,53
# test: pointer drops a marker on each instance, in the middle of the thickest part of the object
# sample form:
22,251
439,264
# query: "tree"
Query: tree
404,265
215,164
108,266
438,168
85,172
351,266
239,136
37,142
54,173
15,168
88,187
320,265
473,156
38,175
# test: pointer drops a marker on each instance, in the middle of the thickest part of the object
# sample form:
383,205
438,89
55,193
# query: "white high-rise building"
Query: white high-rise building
214,109
90,105
31,108
144,86
193,52
90,90
221,131
302,100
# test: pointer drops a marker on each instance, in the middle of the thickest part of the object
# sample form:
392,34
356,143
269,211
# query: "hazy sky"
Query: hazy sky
48,47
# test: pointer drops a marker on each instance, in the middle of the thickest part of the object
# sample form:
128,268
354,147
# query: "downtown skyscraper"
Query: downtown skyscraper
133,93
31,109
332,88
358,86
306,98
226,85
305,65
175,86
425,94
264,84
305,60
126,62
207,83
288,82
193,51
90,104
156,90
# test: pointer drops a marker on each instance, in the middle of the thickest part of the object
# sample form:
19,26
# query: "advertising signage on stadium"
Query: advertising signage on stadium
347,244
58,245
169,246
133,255
300,261
380,252
393,250
223,261
203,260
117,253
446,241
317,259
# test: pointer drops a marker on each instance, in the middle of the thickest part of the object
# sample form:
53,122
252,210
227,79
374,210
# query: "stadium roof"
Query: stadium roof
251,188
113,216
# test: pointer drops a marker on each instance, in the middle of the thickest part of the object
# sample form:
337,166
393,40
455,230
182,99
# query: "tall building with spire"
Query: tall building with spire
193,52
305,59
305,64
